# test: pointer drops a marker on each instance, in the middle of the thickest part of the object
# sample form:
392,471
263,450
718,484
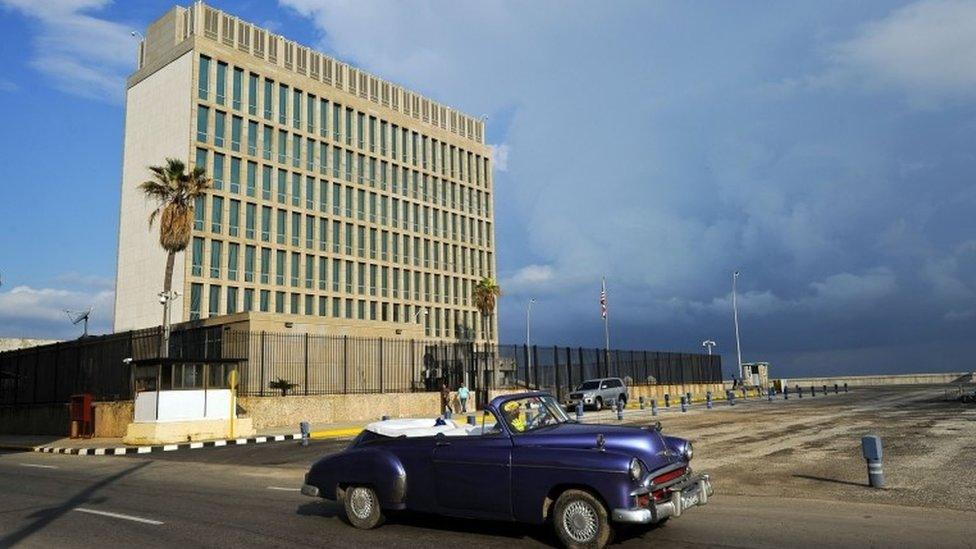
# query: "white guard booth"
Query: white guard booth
182,400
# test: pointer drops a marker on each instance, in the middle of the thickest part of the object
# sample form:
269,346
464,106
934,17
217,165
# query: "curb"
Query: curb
130,450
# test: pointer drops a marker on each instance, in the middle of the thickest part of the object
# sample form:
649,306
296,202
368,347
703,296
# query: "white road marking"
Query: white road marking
259,440
195,445
279,438
144,450
171,447
283,489
220,443
119,451
39,466
118,516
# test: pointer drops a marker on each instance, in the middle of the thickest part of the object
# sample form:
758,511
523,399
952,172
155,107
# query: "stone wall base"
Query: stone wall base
170,432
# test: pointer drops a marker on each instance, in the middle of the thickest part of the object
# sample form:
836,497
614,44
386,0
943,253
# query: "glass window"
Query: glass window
282,104
204,77
235,175
248,300
233,217
237,85
295,268
219,128
282,186
199,213
215,252
267,101
197,257
280,267
296,109
249,253
249,214
214,300
196,293
296,189
266,223
280,234
231,300
221,81
201,159
203,115
216,214
233,250
218,171
265,267
252,171
265,301
252,94
266,182
267,143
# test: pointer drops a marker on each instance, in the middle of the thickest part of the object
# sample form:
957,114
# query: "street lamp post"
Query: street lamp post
708,344
735,318
528,331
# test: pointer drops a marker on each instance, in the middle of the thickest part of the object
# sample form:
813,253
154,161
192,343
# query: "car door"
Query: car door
473,474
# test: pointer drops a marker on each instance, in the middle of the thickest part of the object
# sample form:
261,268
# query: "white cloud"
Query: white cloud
40,312
81,54
499,154
925,49
529,278
8,86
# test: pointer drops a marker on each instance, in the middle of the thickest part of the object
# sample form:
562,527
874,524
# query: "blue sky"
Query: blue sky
822,148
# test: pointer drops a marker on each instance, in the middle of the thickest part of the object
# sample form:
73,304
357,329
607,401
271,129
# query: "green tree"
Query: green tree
486,294
174,190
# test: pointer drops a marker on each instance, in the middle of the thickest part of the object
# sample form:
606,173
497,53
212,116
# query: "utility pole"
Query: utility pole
735,318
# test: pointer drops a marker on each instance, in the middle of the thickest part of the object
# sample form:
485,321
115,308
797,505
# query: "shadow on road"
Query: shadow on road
541,534
834,480
44,517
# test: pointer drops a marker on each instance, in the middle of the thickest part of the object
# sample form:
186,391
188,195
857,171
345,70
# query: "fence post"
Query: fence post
599,368
381,364
582,367
555,365
525,352
262,363
37,367
345,364
413,362
306,363
569,369
535,362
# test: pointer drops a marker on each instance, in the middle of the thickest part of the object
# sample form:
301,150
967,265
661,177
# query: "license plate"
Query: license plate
689,500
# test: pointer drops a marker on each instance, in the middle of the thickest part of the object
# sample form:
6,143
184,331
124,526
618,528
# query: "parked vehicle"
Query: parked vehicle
525,461
597,393
969,397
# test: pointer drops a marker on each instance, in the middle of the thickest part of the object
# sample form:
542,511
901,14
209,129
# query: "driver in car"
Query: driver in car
514,416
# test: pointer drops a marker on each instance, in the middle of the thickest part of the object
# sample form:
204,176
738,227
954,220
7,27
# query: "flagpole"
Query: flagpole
606,324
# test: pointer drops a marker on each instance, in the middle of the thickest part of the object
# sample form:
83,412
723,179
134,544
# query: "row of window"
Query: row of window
282,268
328,119
438,322
311,193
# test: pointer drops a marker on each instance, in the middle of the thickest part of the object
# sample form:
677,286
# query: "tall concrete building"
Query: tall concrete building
339,199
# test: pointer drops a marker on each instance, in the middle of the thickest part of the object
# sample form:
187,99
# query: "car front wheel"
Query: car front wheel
362,507
581,520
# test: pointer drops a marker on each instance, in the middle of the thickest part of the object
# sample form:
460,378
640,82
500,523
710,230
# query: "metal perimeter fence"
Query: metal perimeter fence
320,364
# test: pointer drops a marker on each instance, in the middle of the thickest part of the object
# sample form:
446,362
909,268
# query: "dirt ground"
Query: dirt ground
811,447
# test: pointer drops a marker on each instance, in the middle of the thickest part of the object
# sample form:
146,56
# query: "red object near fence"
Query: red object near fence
82,417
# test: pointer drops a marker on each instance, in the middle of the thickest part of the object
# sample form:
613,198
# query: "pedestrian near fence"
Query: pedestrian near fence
463,397
445,397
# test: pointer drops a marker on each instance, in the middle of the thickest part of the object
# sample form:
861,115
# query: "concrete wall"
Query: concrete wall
157,126
270,412
880,380
111,419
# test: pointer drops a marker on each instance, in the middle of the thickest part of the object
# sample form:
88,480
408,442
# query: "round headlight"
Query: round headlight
636,470
689,451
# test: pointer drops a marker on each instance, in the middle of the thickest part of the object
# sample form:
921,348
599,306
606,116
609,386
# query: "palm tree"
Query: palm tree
175,191
486,294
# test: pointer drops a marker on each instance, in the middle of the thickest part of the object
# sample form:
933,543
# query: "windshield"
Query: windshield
588,385
529,413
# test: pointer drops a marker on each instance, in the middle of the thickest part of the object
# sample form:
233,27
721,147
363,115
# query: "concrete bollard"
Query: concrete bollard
303,427
689,398
813,391
769,393
708,400
731,397
871,448
684,404
836,389
799,392
653,406
667,400
384,418
640,400
579,411
786,393
472,420
620,410
845,387
825,390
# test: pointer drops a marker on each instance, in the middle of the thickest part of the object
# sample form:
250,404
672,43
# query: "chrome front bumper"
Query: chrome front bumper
689,493
311,491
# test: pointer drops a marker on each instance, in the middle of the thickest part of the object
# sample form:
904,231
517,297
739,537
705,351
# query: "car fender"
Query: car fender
538,472
375,467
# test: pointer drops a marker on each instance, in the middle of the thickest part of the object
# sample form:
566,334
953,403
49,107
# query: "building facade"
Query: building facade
336,195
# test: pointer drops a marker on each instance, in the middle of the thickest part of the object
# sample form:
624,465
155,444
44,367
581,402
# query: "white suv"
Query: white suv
597,393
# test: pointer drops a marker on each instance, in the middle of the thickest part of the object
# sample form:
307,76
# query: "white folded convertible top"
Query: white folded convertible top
421,428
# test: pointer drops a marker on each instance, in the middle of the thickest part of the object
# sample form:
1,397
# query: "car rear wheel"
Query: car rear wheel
598,404
581,521
362,507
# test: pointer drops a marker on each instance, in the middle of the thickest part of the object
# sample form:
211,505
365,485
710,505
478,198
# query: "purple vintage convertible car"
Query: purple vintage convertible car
524,461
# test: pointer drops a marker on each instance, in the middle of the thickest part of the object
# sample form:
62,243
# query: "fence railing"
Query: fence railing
325,364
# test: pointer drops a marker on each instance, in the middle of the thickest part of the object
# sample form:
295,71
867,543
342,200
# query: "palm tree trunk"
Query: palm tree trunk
167,286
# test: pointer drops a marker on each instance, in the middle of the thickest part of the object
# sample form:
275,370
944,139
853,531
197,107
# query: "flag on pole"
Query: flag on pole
603,299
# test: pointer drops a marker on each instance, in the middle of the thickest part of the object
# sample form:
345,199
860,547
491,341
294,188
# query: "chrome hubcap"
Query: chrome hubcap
361,501
579,521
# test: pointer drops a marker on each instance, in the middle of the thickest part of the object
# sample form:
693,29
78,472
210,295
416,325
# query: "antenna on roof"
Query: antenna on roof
78,316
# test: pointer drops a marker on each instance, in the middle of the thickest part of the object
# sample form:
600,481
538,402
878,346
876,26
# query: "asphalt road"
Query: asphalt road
787,474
